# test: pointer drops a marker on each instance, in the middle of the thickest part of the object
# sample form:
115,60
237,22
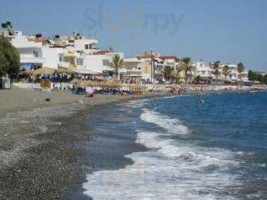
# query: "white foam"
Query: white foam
174,96
172,125
136,103
170,170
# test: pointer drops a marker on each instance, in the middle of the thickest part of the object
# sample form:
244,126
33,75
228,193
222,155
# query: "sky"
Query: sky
231,31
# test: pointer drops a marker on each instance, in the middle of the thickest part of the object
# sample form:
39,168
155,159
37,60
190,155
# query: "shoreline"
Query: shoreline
39,159
34,145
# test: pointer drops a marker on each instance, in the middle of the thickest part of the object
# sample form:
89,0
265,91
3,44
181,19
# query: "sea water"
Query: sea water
215,150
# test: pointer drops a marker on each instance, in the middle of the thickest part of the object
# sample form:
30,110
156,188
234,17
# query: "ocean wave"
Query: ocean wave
173,168
200,157
168,171
136,103
171,125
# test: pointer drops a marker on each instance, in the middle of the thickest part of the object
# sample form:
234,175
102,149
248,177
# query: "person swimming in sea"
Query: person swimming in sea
202,101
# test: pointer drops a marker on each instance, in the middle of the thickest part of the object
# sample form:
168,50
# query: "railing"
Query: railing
134,73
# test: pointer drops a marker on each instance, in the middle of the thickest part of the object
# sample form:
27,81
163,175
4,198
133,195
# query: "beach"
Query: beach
73,146
36,161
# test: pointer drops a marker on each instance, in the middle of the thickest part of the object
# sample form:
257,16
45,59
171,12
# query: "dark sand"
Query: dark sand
38,160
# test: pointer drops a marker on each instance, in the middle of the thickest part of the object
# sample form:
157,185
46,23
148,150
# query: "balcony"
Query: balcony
37,60
134,73
64,64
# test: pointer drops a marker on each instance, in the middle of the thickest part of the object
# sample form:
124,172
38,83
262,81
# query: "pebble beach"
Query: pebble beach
38,157
36,161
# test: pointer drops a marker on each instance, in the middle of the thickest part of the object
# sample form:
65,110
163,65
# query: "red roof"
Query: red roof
101,52
146,55
169,57
37,40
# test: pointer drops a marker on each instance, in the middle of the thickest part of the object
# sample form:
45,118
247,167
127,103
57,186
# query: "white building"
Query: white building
30,51
75,51
133,70
158,64
97,63
167,61
34,51
82,44
233,74
203,71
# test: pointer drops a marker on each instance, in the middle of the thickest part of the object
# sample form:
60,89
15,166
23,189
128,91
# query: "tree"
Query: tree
186,67
257,76
215,68
117,62
265,79
240,69
251,75
167,72
176,74
226,71
9,58
197,79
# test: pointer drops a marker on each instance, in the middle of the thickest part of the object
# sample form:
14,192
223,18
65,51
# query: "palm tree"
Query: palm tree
216,71
176,75
167,72
226,71
240,69
186,67
117,62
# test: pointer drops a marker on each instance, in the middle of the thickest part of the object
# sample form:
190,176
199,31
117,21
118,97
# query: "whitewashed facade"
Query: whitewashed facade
202,70
234,75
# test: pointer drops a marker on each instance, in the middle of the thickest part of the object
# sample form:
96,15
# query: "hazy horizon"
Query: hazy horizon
229,31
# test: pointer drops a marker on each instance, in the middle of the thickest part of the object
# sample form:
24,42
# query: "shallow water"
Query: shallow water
215,150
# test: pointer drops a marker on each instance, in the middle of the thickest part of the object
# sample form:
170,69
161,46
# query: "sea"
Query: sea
191,150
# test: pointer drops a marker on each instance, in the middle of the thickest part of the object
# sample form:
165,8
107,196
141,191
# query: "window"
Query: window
80,61
106,62
35,53
86,46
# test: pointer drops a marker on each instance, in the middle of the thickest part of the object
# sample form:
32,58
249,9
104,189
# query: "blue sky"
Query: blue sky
225,30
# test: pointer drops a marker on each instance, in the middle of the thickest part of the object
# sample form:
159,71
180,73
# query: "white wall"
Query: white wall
21,41
202,69
51,57
79,45
95,62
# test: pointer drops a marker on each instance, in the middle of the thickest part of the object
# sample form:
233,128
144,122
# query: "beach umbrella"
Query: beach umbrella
28,72
89,90
43,70
65,70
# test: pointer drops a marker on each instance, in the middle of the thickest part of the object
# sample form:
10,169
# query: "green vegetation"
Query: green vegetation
226,71
117,62
240,69
167,72
186,67
215,68
9,59
256,76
